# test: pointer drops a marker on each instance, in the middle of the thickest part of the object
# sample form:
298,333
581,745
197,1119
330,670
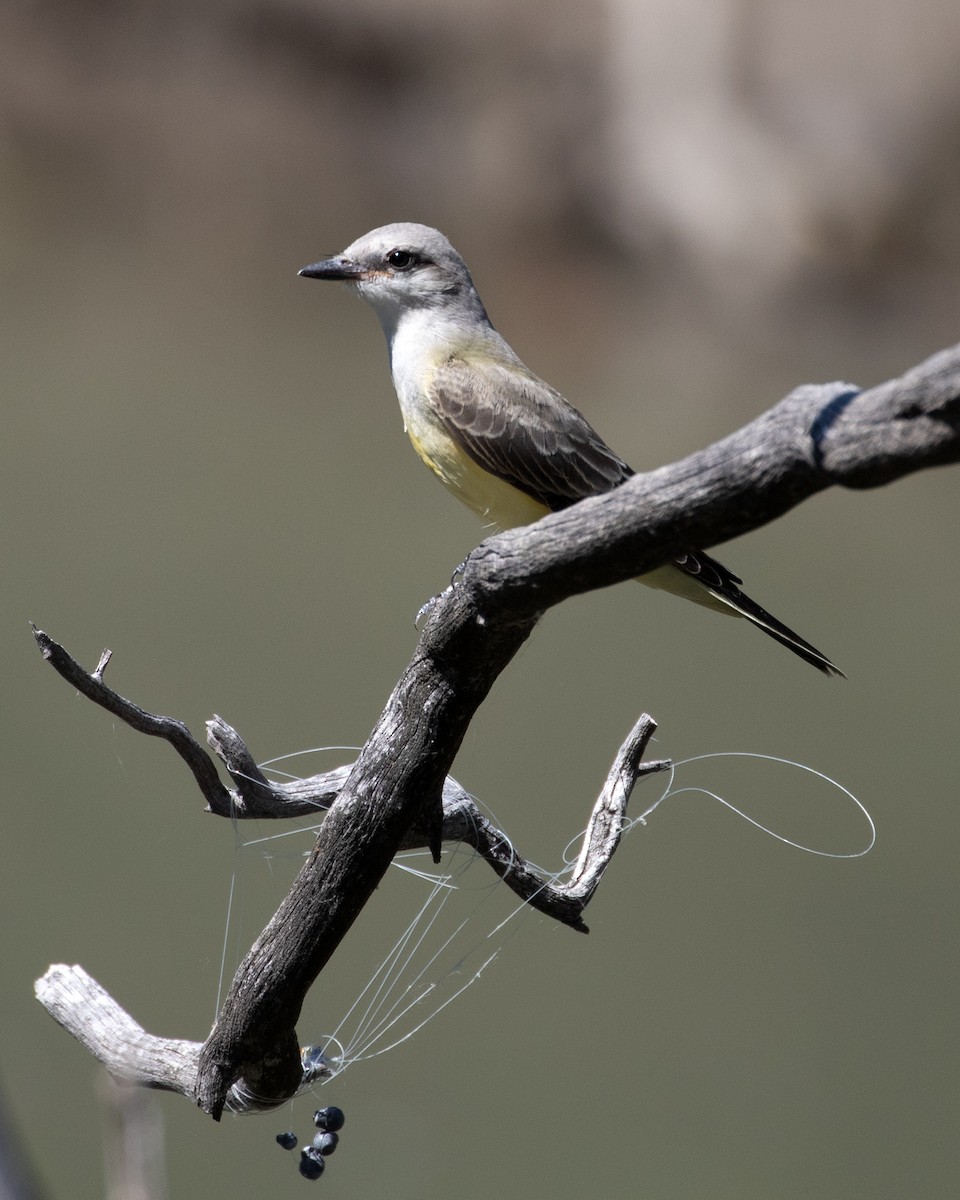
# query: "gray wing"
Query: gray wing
523,431
520,429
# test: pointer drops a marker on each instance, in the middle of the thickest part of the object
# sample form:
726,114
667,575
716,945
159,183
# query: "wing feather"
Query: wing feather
517,427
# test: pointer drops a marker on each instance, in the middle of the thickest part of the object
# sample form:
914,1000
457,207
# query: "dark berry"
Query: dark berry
330,1119
311,1163
287,1140
326,1143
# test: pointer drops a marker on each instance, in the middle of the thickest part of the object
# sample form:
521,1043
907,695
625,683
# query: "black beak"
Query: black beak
333,268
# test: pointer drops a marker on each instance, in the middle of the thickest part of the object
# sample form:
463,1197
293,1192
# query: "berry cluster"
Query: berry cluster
312,1158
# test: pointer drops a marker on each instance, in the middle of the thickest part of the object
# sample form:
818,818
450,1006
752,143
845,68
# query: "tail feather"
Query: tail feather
725,586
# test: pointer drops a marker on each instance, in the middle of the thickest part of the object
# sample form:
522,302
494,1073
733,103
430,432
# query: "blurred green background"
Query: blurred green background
675,213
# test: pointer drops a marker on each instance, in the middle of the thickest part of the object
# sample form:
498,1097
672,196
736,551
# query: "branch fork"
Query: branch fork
399,788
82,1006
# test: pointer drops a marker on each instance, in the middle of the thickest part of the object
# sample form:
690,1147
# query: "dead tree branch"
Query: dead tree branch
91,685
77,1002
257,797
86,1010
817,437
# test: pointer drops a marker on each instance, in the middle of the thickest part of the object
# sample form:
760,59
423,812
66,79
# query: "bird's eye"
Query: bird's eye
402,260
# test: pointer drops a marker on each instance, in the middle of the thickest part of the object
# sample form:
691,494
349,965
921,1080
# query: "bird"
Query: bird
498,437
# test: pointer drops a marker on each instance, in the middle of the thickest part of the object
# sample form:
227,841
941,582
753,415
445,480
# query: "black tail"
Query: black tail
726,587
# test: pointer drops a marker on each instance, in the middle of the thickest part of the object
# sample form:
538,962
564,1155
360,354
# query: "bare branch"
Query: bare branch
77,1002
112,1036
463,821
817,437
566,899
128,1052
91,685
257,797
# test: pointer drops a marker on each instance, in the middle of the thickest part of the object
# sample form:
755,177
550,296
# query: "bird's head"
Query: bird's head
405,268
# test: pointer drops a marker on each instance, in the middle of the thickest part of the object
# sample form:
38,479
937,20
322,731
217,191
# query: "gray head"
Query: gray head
405,268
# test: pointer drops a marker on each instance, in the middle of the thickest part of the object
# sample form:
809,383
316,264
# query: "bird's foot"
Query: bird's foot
425,610
427,607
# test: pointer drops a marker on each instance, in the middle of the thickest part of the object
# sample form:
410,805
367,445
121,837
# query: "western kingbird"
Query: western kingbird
503,441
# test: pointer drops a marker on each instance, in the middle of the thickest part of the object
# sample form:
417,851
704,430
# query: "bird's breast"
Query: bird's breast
495,501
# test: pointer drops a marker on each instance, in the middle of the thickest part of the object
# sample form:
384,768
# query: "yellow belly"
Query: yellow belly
499,505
